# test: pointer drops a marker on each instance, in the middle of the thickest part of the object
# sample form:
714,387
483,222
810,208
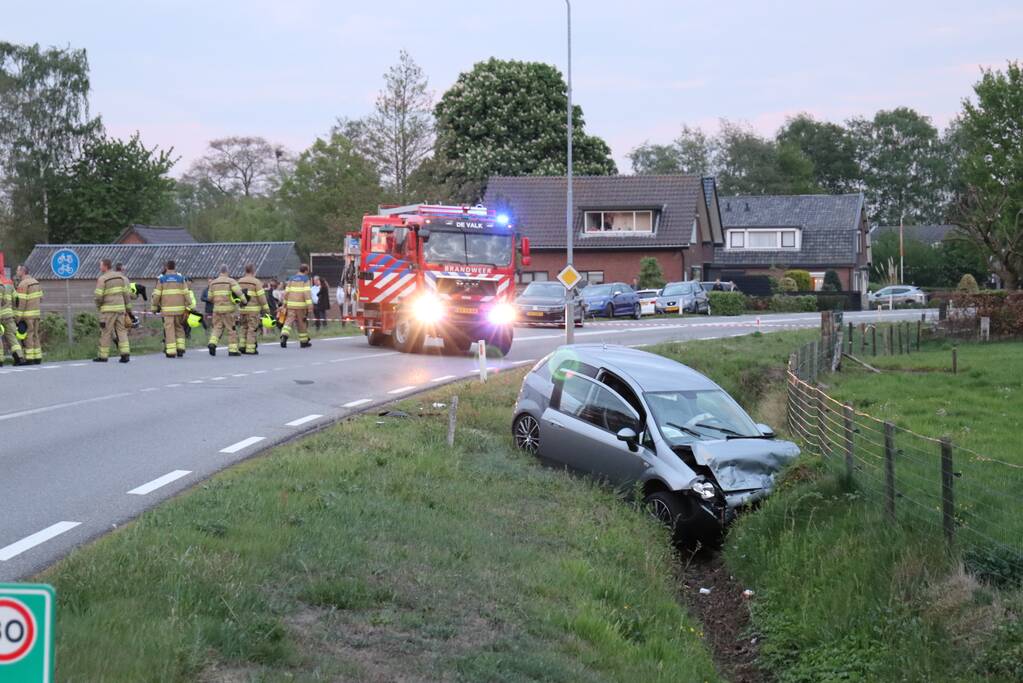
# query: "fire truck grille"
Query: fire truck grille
452,286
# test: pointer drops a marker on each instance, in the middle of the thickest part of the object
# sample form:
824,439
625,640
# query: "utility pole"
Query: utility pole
902,251
569,211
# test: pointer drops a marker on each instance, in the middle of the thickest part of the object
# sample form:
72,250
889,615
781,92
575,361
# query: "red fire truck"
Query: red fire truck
438,271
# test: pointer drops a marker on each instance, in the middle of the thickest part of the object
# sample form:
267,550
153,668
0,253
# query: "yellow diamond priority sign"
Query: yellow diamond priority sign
26,633
569,277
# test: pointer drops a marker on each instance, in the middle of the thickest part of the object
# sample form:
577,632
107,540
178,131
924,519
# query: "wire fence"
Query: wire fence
970,499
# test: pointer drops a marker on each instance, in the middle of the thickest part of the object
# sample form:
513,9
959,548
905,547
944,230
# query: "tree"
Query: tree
248,219
650,274
750,164
989,205
398,136
968,284
828,146
330,190
241,166
690,153
44,122
905,167
832,283
508,118
113,184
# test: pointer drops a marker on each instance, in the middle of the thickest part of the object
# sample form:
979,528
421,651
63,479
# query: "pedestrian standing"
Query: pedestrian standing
339,294
298,302
172,300
27,311
226,295
112,300
314,291
256,305
10,327
322,302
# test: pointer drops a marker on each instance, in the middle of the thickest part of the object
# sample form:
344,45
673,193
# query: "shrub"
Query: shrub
650,274
86,325
727,303
52,329
835,302
787,284
804,283
758,303
832,283
1004,308
792,304
775,284
968,284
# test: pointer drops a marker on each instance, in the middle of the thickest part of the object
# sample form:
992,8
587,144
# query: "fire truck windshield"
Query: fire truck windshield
461,247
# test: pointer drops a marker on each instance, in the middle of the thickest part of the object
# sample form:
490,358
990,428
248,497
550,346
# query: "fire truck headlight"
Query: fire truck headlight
428,309
502,314
502,219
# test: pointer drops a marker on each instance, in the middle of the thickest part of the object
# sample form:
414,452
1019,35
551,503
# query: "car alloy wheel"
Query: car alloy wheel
610,310
527,434
637,312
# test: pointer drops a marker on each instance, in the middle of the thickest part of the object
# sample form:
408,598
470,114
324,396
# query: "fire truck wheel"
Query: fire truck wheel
456,344
407,337
376,338
503,341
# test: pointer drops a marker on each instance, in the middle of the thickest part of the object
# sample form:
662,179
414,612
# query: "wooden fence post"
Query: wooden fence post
847,412
889,469
898,331
948,509
822,434
873,339
955,360
919,329
850,338
863,339
891,341
815,359
452,418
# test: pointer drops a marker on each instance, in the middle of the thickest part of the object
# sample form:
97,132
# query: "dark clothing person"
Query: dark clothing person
322,304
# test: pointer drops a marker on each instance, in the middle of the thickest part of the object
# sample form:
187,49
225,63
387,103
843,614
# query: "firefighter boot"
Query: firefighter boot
284,341
99,360
125,358
305,344
213,349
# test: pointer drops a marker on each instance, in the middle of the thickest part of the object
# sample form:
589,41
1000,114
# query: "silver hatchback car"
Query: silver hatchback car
646,423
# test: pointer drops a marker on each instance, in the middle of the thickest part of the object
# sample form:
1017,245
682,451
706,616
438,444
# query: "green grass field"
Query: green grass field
372,551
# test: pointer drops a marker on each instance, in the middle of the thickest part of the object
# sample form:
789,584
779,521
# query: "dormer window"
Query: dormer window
763,239
602,222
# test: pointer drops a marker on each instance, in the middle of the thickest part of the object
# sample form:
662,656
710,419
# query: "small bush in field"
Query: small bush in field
968,284
727,303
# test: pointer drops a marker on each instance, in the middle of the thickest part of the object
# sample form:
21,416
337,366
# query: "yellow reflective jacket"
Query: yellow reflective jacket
257,296
298,294
29,296
6,300
172,296
112,293
224,292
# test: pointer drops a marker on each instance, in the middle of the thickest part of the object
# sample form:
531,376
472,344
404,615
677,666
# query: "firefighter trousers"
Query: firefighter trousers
250,331
173,334
222,321
11,344
113,325
32,344
297,319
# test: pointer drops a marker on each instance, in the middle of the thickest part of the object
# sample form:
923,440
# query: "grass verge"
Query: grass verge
372,551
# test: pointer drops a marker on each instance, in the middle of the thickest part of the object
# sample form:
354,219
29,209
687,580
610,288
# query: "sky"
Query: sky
183,72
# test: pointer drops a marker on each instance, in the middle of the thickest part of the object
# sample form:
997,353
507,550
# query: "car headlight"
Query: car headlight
501,314
704,490
428,309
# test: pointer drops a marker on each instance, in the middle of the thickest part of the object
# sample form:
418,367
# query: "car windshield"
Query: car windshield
685,416
598,290
545,289
680,288
459,247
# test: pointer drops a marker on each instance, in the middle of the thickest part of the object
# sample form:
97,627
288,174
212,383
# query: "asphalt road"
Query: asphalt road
85,447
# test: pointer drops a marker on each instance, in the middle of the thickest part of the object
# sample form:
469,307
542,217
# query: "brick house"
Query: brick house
617,221
767,234
155,234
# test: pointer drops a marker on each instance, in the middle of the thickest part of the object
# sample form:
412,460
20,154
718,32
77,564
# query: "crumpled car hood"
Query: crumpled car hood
745,464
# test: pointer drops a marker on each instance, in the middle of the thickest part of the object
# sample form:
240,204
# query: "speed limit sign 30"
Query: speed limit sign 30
26,633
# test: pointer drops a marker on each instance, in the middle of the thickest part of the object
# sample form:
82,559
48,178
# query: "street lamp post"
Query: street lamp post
569,299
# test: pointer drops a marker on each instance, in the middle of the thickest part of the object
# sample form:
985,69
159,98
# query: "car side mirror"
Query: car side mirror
765,430
630,437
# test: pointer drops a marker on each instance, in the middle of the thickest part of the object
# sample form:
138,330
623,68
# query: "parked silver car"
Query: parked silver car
897,294
677,297
644,421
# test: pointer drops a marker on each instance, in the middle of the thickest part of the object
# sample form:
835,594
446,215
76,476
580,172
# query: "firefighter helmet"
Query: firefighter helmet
22,331
268,322
194,320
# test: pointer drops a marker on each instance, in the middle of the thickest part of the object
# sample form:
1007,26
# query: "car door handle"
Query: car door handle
555,423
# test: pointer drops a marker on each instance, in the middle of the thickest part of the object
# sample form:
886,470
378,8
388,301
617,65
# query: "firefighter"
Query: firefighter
298,302
7,322
226,295
257,304
171,299
112,301
29,295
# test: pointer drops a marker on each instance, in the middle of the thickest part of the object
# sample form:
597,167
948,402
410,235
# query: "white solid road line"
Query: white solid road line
151,486
217,379
58,406
360,402
29,542
402,390
243,444
442,378
302,420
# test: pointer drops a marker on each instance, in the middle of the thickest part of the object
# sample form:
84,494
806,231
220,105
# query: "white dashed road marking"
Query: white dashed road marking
39,537
442,378
172,386
151,486
401,390
243,444
360,402
217,379
302,420
58,406
196,381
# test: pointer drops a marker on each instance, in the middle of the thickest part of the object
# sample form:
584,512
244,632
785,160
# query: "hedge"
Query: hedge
727,303
793,304
1004,308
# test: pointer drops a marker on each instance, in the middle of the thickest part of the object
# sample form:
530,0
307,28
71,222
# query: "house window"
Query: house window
756,238
593,277
818,280
618,221
531,276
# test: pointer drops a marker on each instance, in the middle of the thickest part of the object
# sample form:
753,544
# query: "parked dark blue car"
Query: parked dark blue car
612,299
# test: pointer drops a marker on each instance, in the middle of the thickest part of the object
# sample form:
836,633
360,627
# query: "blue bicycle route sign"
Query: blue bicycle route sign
64,263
